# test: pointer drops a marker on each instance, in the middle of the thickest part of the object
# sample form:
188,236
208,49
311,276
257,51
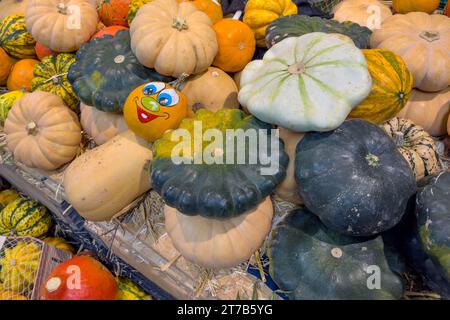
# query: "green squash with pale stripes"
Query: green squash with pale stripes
25,217
128,290
15,39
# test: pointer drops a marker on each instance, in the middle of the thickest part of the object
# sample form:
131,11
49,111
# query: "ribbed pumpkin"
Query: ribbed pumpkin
391,86
6,102
7,196
416,146
128,290
6,65
51,76
113,12
135,5
367,13
21,75
59,243
10,7
15,39
43,51
405,6
210,7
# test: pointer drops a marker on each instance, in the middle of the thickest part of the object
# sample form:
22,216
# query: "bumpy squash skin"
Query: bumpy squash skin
15,39
7,196
310,261
358,187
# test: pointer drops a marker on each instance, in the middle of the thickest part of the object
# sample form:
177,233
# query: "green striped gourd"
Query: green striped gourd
128,290
15,39
6,102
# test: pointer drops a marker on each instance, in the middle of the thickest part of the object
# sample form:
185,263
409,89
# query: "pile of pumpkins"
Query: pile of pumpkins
357,99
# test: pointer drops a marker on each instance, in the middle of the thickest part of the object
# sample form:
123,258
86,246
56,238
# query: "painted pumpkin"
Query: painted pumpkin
309,261
416,146
128,290
113,12
21,75
117,72
51,76
405,6
418,34
217,244
10,7
391,87
428,110
162,25
210,7
76,21
6,102
362,186
6,65
41,132
209,182
366,13
7,196
230,7
153,108
135,5
297,88
260,13
236,45
59,243
95,281
296,26
15,39
112,31
42,51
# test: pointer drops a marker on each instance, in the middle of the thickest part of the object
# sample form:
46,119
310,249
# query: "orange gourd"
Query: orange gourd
112,30
114,12
6,64
210,7
21,75
406,6
43,51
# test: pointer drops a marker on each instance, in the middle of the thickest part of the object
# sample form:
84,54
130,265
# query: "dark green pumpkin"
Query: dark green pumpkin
106,71
310,261
298,25
217,190
354,178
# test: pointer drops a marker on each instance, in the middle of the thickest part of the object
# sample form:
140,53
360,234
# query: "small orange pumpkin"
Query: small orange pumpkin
21,75
114,12
43,51
237,45
112,30
154,108
210,7
6,64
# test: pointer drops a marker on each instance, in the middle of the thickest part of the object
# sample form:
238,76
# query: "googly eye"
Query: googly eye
168,98
153,88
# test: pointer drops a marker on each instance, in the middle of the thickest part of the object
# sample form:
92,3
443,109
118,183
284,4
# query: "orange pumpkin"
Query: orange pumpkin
153,108
6,64
21,75
112,30
406,6
114,12
210,7
237,45
447,9
43,51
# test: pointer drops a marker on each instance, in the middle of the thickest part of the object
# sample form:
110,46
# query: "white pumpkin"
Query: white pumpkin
10,7
307,83
366,13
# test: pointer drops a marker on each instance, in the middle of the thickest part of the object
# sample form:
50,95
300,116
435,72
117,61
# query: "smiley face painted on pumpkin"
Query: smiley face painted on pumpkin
154,108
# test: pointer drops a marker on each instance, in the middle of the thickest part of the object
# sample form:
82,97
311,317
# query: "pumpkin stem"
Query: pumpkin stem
179,83
62,8
119,59
31,128
179,24
399,138
237,15
336,252
430,36
297,68
373,160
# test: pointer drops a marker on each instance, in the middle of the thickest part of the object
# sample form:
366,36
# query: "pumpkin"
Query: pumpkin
104,180
391,86
41,132
366,13
15,39
236,45
428,110
210,7
310,261
59,243
11,295
295,26
51,76
208,180
237,79
447,9
61,26
135,5
416,146
260,13
101,126
42,51
10,7
307,83
113,12
7,196
230,7
405,6
153,108
162,25
95,282
212,90
117,72
418,34
217,244
24,217
128,290
6,102
112,31
19,266
362,186
21,75
6,65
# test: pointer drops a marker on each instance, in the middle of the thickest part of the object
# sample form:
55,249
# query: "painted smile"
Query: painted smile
145,116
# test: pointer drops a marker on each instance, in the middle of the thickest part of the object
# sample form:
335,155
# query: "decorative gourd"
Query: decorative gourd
6,65
405,6
310,261
260,13
112,31
42,132
18,266
51,76
362,185
10,7
95,281
15,39
11,295
135,5
119,168
418,34
59,26
230,7
236,45
299,89
391,86
21,75
128,290
210,7
6,102
7,196
295,26
113,12
212,90
153,108
224,186
117,72
42,51
59,243
428,110
217,244
162,25
366,13
416,146
101,126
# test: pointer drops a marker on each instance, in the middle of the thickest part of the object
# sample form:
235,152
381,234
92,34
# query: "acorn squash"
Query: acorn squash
15,39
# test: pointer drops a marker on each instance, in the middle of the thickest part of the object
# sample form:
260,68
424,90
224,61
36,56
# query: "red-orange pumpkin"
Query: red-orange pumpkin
6,64
43,51
112,30
114,12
